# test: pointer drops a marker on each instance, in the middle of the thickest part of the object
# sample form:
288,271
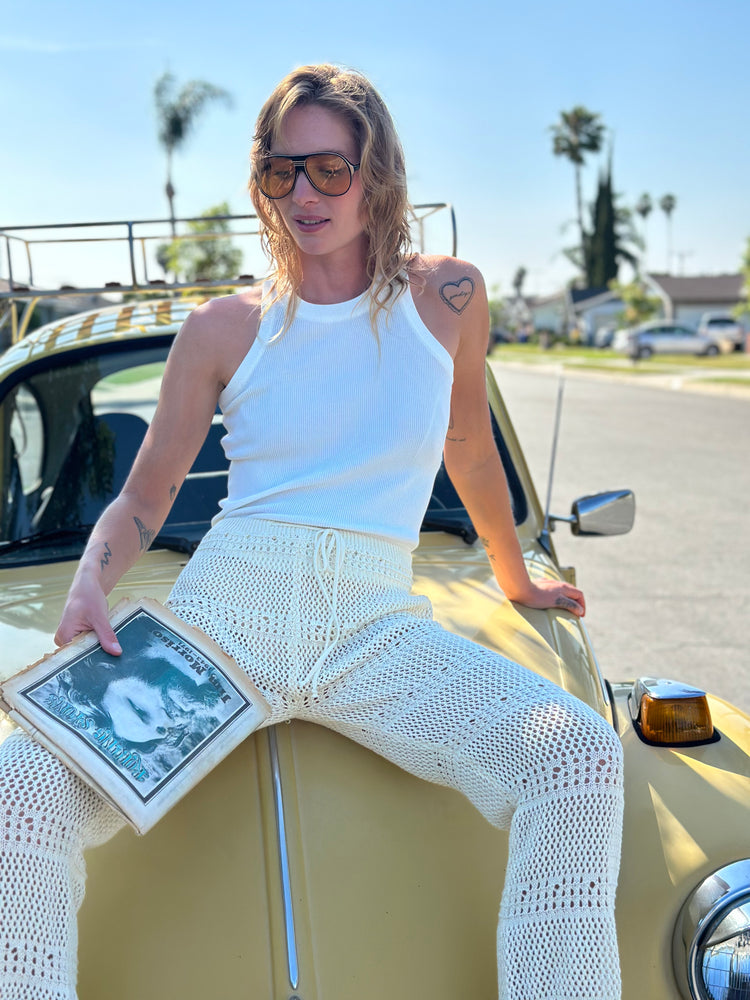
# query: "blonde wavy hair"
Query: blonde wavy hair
382,173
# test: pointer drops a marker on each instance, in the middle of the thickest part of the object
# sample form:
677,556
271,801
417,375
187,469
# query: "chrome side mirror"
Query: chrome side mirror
609,513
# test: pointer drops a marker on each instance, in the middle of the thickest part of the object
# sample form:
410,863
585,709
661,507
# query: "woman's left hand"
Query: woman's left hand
555,594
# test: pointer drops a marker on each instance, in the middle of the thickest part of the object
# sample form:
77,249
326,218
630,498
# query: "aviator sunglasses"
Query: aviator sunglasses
329,173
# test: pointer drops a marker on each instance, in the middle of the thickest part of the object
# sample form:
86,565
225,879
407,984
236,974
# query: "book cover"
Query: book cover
144,727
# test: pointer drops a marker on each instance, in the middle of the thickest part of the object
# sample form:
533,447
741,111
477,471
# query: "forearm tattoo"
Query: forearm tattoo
457,294
147,536
486,543
104,561
451,427
172,492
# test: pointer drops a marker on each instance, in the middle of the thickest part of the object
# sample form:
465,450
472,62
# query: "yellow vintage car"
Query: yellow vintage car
304,867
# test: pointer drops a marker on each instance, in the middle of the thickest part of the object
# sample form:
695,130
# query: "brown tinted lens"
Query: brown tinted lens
276,176
328,173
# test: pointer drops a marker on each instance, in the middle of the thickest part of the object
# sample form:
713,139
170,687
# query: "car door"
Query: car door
685,340
660,339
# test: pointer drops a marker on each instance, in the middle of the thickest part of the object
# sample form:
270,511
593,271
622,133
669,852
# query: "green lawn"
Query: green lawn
604,360
139,374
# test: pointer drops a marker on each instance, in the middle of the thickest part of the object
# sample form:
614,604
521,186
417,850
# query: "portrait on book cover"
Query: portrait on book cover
146,711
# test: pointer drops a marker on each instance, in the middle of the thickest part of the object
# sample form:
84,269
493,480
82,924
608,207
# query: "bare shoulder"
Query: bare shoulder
218,333
456,283
223,315
451,299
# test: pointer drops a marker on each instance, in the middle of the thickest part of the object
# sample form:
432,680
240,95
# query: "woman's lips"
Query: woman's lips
309,224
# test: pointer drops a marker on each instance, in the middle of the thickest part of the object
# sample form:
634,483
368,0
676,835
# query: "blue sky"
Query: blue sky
473,88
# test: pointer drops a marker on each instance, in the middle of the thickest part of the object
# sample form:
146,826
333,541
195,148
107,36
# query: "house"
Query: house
576,309
686,298
683,298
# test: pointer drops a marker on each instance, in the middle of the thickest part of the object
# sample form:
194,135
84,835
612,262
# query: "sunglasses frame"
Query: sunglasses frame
300,166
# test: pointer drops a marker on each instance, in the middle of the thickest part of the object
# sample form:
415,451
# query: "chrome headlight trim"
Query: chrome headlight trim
722,899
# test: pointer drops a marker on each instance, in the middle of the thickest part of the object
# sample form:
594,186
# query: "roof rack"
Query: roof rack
136,238
26,238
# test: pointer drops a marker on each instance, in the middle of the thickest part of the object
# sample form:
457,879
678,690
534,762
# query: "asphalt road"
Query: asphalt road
671,598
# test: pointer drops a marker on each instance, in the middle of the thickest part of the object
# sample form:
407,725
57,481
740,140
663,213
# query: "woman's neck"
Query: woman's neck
325,281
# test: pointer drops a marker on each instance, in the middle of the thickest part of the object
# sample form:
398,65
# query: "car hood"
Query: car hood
455,577
32,599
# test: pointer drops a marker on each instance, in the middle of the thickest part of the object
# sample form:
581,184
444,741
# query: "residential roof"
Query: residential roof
722,289
578,295
537,301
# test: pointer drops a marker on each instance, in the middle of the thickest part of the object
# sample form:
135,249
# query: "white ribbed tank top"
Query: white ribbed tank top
326,429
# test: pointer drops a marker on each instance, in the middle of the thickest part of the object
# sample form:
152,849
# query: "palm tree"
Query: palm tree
177,114
518,279
667,204
644,206
578,132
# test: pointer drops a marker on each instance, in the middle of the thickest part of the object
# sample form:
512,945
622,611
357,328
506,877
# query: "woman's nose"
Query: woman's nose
303,191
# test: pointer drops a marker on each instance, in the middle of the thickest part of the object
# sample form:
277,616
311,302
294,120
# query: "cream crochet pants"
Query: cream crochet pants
326,626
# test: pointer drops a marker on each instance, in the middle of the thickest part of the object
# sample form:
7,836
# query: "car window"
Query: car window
70,432
133,390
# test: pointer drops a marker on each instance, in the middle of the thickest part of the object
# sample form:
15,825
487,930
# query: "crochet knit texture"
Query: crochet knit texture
325,624
48,817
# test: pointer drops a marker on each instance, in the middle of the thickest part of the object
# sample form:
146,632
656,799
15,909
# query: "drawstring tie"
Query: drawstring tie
328,557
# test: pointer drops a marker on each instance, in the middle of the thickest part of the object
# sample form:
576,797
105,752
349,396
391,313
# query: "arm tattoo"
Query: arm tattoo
147,536
451,426
486,543
104,561
172,492
457,294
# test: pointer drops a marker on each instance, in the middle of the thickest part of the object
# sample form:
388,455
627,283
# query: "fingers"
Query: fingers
567,603
108,640
558,594
67,631
571,599
88,612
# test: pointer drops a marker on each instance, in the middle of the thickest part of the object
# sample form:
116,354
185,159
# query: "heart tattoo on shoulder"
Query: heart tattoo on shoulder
457,294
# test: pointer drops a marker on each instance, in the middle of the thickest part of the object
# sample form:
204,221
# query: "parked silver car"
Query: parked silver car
664,337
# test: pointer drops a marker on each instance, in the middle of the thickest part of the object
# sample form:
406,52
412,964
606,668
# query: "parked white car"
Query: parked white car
722,326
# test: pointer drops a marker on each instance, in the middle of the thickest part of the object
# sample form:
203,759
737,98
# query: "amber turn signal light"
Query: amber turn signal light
670,713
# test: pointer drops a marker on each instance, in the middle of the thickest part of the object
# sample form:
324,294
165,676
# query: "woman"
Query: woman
341,383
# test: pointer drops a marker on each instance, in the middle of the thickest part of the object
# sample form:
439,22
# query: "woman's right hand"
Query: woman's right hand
86,610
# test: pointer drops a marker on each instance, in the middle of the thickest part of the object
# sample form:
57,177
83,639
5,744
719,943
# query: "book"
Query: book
144,727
